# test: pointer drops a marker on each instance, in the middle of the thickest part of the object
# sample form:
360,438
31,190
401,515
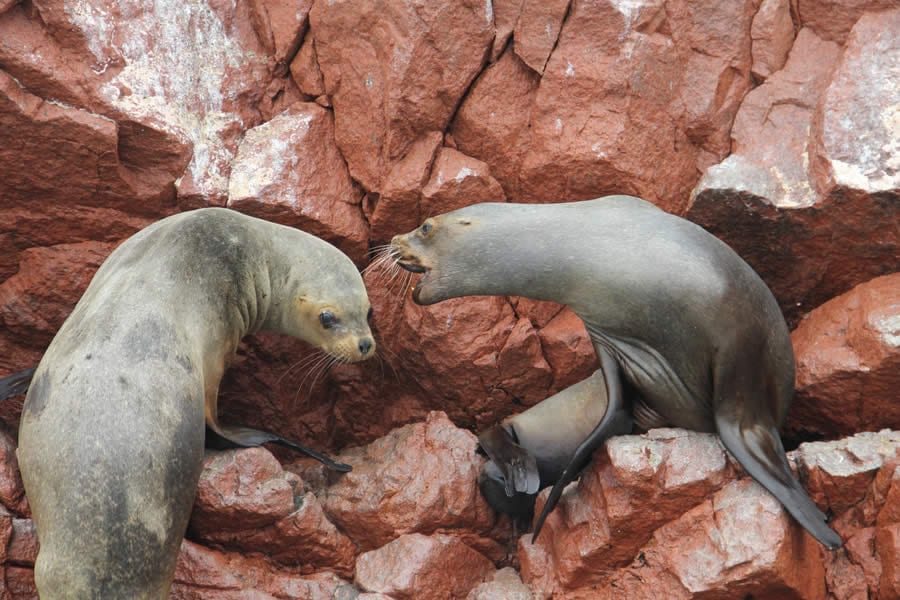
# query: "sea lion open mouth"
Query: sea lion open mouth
412,267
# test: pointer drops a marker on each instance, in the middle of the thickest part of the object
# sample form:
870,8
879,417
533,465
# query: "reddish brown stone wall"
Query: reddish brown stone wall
774,124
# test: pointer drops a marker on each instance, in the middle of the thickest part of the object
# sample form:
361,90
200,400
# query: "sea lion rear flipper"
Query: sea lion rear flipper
615,420
760,452
16,384
246,437
516,466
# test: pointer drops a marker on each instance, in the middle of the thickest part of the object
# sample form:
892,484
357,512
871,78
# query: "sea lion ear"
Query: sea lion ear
465,221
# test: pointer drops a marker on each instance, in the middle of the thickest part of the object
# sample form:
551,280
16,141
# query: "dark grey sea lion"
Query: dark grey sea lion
532,449
112,430
671,310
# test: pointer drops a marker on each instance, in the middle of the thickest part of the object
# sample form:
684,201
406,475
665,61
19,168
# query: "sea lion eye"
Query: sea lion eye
327,319
426,227
369,316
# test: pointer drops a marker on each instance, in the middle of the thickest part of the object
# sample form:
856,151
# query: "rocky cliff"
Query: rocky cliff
775,124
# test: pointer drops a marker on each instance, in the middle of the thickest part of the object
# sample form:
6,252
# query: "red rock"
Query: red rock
862,557
161,110
578,135
465,341
6,533
539,312
765,203
740,543
505,584
280,27
420,478
837,474
848,362
458,180
887,542
634,485
246,502
20,583
202,573
289,171
305,69
506,14
398,208
773,34
396,72
492,121
537,30
862,97
23,544
12,494
240,489
889,478
568,348
31,308
127,166
422,567
833,19
21,229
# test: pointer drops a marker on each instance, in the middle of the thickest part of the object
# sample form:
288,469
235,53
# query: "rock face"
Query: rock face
772,123
848,362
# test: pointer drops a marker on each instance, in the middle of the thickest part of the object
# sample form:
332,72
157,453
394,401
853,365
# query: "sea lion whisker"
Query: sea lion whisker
380,261
334,360
380,265
379,248
394,354
312,369
299,364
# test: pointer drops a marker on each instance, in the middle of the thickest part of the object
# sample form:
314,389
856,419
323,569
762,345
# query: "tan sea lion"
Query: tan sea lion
112,430
671,310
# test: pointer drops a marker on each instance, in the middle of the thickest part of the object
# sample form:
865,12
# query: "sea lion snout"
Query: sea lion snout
406,255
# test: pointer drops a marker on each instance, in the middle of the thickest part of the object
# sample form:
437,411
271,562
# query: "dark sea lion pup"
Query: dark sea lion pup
532,449
112,430
672,311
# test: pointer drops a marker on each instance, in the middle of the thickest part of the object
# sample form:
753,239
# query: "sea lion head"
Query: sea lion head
456,253
323,301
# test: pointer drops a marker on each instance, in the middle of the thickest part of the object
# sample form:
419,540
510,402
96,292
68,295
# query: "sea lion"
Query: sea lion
669,307
532,449
112,430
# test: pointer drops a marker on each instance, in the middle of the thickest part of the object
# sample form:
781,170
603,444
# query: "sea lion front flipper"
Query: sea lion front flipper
614,420
518,468
492,483
16,384
246,437
760,452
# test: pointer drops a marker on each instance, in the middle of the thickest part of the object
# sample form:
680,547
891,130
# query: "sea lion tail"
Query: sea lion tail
760,452
16,384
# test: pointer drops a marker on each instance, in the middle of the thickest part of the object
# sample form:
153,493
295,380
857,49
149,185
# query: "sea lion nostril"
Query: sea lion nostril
364,346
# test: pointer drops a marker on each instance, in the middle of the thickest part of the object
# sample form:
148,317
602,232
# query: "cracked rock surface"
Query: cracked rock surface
772,123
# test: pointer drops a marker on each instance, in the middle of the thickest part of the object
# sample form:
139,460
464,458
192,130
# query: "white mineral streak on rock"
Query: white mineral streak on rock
177,58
